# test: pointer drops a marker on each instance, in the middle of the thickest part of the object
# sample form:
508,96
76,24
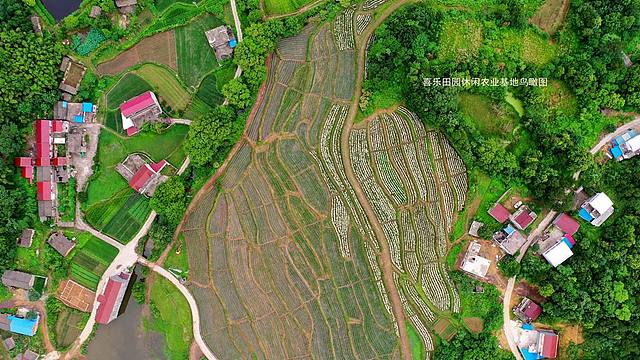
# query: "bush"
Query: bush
509,266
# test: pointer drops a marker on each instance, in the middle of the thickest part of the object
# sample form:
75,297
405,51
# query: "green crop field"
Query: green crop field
211,86
129,86
165,82
279,7
90,260
492,119
68,326
112,149
120,217
537,49
195,57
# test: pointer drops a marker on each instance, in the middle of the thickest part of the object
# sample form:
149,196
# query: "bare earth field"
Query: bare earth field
159,48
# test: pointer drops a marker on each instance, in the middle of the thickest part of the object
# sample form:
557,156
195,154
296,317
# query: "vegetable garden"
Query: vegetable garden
90,261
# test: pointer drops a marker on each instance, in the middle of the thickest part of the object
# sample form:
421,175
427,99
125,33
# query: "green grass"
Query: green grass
211,86
486,305
491,119
163,5
417,348
178,261
195,57
113,149
68,326
130,85
278,7
537,49
172,318
460,40
67,200
46,16
166,84
516,103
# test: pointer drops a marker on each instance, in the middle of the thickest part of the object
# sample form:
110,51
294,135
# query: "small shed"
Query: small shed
26,239
475,226
527,310
9,343
30,355
95,12
61,243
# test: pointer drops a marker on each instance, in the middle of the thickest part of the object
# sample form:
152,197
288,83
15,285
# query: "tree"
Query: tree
509,266
211,134
237,93
169,200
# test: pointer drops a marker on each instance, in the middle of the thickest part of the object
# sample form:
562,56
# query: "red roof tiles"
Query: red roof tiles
137,104
132,131
567,224
157,167
499,212
57,125
549,345
27,172
524,219
141,177
532,311
23,161
44,191
107,300
59,161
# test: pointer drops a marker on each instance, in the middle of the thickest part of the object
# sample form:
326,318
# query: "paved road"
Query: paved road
195,314
619,131
81,225
536,233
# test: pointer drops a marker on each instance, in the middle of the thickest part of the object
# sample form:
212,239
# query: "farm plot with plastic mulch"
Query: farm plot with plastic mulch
415,182
280,254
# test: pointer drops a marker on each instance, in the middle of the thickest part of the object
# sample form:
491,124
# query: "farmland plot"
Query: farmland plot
415,182
280,256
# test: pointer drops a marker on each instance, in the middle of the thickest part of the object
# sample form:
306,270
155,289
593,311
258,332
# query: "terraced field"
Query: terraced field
284,261
415,182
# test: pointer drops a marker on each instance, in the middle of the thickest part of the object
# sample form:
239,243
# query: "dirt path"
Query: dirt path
385,255
619,131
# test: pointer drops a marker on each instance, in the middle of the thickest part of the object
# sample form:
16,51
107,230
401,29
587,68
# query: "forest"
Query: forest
596,289
29,76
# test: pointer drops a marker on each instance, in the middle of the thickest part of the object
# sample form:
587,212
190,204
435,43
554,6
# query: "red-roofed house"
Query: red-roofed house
499,212
132,131
547,344
59,126
23,161
141,176
59,161
44,191
135,112
523,217
110,300
27,173
566,224
527,310
26,167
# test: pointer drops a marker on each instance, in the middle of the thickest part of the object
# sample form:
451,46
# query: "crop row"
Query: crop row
340,221
435,287
343,29
371,4
362,20
389,178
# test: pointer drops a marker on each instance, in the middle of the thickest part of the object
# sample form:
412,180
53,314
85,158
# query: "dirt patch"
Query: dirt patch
75,295
159,48
83,162
445,329
550,16
569,334
527,290
475,324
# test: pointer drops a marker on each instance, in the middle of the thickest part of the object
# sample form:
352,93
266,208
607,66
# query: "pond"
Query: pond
61,8
126,338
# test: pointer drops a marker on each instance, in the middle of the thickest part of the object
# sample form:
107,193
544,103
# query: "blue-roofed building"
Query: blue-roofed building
584,214
87,107
509,239
23,326
233,43
74,112
626,145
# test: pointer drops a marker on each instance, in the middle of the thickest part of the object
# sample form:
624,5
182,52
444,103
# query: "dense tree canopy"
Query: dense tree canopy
29,76
212,134
170,200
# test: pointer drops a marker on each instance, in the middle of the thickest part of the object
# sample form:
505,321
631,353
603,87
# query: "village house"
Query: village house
24,322
135,112
473,263
73,74
597,209
29,355
51,165
509,239
222,41
126,6
625,146
557,241
74,112
61,243
110,300
26,238
523,217
9,343
527,310
18,279
141,176
499,212
474,228
536,344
